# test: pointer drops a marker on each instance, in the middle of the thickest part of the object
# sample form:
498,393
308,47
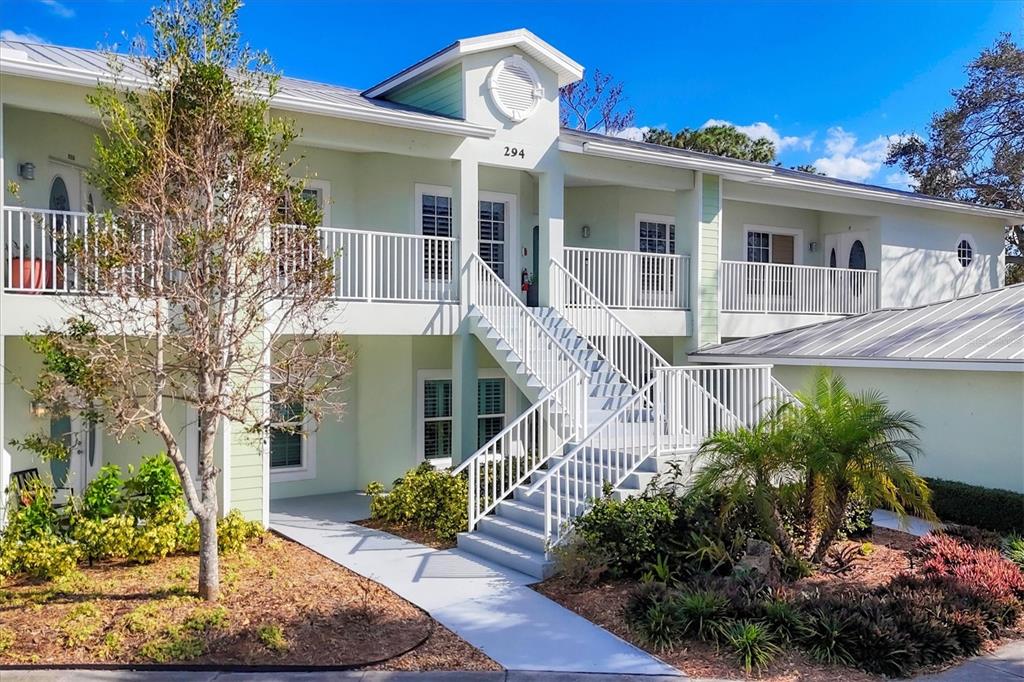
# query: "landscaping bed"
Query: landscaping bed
281,604
422,536
607,604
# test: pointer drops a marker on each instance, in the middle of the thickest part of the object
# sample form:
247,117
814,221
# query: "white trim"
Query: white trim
419,189
669,220
796,233
568,71
424,375
225,473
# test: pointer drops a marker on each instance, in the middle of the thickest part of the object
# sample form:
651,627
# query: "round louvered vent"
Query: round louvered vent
515,88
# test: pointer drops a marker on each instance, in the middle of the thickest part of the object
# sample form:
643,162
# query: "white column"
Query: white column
551,212
5,457
466,213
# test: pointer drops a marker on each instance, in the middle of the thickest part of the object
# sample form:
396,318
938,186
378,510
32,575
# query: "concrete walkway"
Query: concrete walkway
488,605
1005,664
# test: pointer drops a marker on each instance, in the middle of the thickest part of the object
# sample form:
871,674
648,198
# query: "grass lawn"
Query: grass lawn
281,604
604,604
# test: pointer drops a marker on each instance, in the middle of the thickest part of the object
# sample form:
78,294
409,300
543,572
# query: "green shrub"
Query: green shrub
752,643
828,636
989,508
1013,549
45,557
112,537
427,498
102,497
630,533
155,489
33,515
272,637
234,532
702,613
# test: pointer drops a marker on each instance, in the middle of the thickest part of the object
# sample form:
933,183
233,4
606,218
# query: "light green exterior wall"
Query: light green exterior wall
737,214
710,242
440,93
971,429
610,212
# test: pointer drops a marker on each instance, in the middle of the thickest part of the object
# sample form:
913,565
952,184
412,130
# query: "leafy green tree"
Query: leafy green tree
721,140
196,289
855,446
974,150
749,463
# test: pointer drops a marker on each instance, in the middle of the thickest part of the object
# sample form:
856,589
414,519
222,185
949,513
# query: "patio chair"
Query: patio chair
24,477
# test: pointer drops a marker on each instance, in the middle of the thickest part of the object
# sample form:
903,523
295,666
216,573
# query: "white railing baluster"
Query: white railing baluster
631,279
798,289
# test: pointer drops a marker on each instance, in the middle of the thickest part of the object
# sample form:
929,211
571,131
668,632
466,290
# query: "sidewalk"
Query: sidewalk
489,606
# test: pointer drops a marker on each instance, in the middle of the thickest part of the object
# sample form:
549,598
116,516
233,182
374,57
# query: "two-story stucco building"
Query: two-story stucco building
444,188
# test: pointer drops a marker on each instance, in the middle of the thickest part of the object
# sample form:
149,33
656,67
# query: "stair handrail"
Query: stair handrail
645,442
544,429
639,364
559,360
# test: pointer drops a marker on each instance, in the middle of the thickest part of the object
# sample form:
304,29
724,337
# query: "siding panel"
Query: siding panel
438,94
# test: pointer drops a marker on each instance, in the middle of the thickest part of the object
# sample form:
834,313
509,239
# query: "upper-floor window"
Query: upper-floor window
435,215
770,246
964,252
858,256
655,235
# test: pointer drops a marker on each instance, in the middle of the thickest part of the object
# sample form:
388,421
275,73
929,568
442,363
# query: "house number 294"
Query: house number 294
515,151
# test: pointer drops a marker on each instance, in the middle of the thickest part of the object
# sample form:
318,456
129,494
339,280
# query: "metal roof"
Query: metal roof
330,99
982,329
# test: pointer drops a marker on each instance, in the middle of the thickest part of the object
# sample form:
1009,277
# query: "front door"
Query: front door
846,250
82,439
497,229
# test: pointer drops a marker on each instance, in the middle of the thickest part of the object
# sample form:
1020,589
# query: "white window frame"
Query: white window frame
654,218
433,190
969,238
796,233
424,375
307,469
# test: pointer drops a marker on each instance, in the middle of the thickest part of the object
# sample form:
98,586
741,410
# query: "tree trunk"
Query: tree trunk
775,526
835,522
810,512
209,561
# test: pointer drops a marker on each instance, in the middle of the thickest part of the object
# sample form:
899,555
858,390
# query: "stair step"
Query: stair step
494,549
522,513
517,534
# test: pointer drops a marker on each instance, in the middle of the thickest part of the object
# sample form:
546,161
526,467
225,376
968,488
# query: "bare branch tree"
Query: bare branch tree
594,104
198,294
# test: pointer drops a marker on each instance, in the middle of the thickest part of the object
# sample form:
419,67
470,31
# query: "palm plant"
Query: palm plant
750,463
856,445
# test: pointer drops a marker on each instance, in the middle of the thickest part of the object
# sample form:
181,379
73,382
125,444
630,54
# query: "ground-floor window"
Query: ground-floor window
436,415
292,451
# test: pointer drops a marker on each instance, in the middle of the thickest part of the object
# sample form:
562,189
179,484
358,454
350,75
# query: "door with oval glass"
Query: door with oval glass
846,250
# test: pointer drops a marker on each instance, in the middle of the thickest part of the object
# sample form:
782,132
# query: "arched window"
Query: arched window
858,257
832,258
964,253
59,199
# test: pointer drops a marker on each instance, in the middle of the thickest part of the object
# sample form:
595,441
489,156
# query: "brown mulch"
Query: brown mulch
409,532
328,615
604,604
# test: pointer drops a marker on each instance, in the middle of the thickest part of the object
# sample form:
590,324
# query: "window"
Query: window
858,256
436,411
317,190
286,443
490,409
964,253
655,236
774,245
492,235
437,419
434,215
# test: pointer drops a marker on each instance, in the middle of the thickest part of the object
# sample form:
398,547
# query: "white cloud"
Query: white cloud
762,129
26,37
635,133
899,180
852,161
58,8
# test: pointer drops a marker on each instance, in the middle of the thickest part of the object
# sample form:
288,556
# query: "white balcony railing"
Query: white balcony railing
368,266
630,279
799,289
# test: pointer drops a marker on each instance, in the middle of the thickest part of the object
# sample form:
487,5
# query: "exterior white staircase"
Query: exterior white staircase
607,412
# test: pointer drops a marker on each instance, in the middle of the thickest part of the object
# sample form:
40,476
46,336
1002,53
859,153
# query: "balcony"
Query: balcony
368,266
632,280
796,289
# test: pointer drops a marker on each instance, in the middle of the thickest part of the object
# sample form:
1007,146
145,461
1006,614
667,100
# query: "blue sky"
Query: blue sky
829,81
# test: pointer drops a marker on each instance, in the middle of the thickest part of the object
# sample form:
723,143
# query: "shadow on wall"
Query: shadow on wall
912,277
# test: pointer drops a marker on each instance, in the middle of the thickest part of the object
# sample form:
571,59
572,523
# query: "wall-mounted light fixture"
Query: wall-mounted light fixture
39,408
586,231
813,246
27,170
